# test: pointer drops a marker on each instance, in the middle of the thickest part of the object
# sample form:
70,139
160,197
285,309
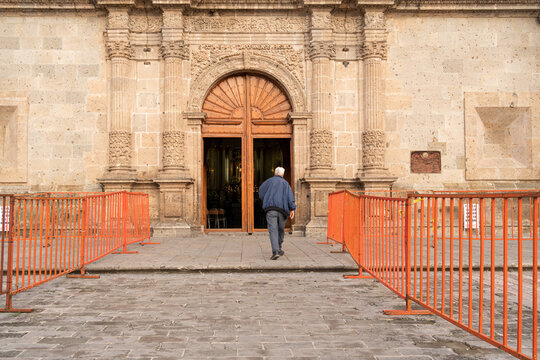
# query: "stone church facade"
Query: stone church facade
380,94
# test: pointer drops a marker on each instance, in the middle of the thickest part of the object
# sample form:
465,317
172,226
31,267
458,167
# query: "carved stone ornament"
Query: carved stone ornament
173,148
173,19
142,23
373,49
120,148
321,20
322,49
119,49
176,49
117,20
373,148
321,148
287,55
255,24
346,24
374,20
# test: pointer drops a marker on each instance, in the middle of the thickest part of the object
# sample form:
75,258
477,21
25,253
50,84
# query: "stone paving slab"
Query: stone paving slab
236,251
254,315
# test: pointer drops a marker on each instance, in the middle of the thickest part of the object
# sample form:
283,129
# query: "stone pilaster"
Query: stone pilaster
119,52
320,179
373,52
321,51
173,51
175,186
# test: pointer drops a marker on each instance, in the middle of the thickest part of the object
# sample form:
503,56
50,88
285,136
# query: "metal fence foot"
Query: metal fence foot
13,310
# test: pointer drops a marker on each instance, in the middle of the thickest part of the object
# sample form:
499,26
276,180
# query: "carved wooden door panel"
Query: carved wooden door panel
246,106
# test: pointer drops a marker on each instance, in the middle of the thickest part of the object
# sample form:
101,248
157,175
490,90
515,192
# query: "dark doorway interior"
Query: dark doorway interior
223,166
267,155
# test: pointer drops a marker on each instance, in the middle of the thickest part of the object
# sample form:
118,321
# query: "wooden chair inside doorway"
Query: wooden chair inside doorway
216,219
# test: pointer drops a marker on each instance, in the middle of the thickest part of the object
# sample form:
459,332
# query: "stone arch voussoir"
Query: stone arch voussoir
203,83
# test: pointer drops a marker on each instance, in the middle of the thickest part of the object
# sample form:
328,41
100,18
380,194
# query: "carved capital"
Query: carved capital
173,149
373,49
321,148
374,20
120,48
322,49
373,149
120,149
176,49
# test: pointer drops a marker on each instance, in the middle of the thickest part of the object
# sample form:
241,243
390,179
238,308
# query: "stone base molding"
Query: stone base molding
373,148
318,190
173,199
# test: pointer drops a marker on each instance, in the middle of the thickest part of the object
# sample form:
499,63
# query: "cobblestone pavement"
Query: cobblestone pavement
255,315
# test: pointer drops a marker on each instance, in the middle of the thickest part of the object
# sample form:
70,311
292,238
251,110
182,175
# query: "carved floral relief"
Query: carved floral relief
321,148
373,148
120,148
374,20
257,24
287,55
173,148
117,19
141,23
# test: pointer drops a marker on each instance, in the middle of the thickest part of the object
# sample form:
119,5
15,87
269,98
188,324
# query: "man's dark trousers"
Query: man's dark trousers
276,227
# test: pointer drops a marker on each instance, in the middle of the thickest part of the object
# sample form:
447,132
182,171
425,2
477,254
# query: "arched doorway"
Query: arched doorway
246,134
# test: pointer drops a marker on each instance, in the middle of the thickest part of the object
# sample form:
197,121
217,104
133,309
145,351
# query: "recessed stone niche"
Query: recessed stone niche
502,133
13,139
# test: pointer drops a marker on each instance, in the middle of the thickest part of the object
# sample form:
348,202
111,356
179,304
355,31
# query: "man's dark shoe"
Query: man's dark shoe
281,252
274,256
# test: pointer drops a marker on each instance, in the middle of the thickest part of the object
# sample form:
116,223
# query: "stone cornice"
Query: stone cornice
395,5
47,4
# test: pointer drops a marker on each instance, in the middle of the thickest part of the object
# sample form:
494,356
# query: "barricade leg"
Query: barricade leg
10,309
82,275
408,310
358,276
343,249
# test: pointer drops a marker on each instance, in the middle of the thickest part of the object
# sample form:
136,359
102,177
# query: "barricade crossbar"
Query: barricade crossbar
469,257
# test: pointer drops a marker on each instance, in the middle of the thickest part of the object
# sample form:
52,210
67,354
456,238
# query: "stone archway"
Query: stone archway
247,62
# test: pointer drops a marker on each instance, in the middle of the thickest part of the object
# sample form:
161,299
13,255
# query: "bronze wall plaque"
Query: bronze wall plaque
426,162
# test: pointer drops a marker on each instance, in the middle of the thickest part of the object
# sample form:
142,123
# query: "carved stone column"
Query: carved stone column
120,52
174,51
321,51
320,179
373,52
176,203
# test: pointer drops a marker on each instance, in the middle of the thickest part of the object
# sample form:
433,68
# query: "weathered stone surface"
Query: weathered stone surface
372,85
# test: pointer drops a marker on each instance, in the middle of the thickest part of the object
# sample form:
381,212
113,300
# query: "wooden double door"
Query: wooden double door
246,135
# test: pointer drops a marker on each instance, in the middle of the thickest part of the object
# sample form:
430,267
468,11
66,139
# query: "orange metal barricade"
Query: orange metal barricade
334,230
52,236
456,255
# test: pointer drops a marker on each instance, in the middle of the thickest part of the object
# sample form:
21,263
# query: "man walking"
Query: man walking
278,204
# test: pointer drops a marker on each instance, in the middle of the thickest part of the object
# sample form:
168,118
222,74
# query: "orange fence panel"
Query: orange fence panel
335,217
51,235
468,257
